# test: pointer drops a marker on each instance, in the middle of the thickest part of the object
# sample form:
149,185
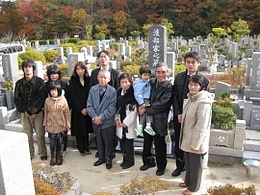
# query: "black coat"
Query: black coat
180,90
114,82
160,100
80,125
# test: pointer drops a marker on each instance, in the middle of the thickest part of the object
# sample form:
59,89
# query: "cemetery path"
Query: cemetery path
97,179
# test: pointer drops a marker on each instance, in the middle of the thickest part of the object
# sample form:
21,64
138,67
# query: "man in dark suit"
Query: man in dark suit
104,58
180,91
160,100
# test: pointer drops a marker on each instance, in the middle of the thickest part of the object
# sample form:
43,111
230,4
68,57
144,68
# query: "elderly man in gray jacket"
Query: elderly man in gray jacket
101,107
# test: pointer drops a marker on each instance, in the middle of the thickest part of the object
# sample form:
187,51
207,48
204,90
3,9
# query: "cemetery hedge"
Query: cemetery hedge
223,115
50,55
32,55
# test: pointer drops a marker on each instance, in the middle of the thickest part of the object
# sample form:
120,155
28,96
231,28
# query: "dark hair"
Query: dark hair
53,69
81,65
55,85
144,69
197,79
126,76
103,51
192,54
28,63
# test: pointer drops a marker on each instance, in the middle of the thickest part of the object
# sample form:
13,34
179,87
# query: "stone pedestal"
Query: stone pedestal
16,175
227,146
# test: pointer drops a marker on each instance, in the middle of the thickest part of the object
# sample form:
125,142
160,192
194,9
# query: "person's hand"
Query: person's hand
97,120
84,111
141,110
117,122
33,116
180,118
123,125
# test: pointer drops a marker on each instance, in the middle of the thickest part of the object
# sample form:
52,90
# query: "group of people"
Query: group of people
108,103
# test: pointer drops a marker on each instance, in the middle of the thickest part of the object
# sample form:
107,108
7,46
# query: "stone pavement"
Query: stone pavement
97,179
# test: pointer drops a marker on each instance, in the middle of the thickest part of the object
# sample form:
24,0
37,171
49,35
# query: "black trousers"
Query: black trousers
193,166
160,150
127,148
83,143
56,142
179,154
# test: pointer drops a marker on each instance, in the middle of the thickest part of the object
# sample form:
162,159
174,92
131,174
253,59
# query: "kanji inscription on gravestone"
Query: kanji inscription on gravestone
157,36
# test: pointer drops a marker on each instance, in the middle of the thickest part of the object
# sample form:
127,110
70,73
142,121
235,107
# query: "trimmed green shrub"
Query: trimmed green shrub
50,55
178,69
223,117
131,69
33,55
73,40
64,68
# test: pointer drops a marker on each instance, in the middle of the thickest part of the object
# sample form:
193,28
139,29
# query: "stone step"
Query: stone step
252,145
252,135
251,155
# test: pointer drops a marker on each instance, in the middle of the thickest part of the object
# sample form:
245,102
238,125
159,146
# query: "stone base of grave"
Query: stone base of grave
76,189
225,155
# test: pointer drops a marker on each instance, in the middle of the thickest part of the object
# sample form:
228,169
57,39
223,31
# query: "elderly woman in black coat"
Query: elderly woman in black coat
81,124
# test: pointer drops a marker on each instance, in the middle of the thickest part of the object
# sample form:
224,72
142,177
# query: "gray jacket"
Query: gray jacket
106,109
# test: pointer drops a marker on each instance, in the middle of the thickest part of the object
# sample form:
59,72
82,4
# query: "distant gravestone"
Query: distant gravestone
90,50
255,83
10,66
61,58
73,58
128,51
234,51
222,87
38,70
171,59
248,53
157,37
249,71
121,49
98,45
69,50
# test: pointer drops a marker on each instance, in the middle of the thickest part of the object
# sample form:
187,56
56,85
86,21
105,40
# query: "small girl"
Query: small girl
56,121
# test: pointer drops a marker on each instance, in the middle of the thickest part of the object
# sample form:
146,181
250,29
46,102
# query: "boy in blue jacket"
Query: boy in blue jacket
142,90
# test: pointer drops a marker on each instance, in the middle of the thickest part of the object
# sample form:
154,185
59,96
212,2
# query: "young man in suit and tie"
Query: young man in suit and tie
101,107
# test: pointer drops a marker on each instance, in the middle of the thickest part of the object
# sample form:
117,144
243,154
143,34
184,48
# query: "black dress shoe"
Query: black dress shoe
145,167
99,162
108,165
160,172
126,166
176,172
43,157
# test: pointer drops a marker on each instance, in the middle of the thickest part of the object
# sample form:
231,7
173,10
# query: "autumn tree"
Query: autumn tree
239,29
12,18
120,26
79,20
